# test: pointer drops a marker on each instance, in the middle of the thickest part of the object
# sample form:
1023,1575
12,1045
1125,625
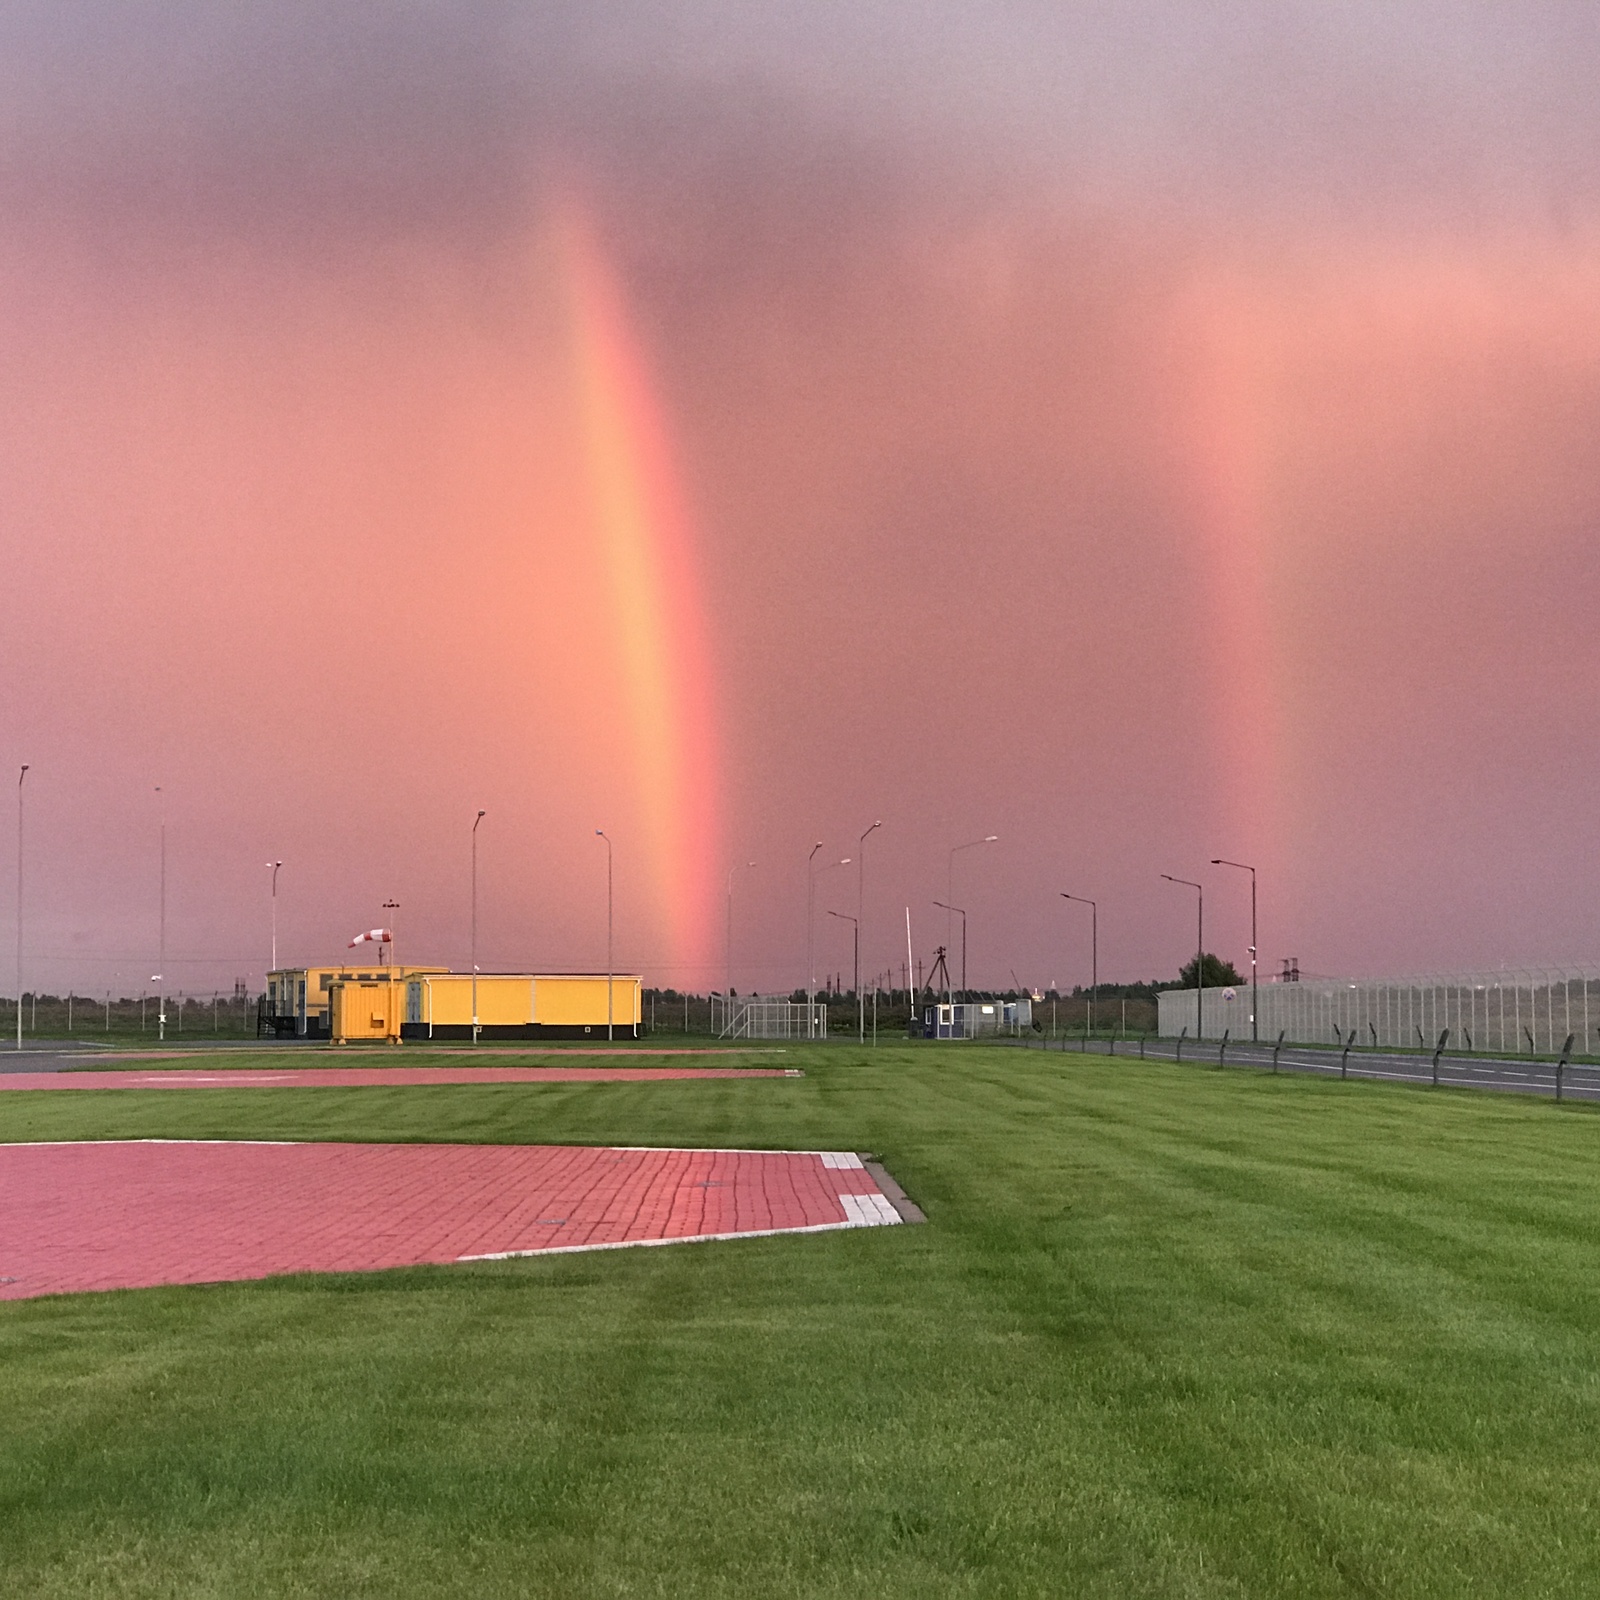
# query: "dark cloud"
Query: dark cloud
421,114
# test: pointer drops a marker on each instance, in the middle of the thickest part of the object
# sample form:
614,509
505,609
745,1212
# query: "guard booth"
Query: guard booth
971,1019
297,1000
523,1005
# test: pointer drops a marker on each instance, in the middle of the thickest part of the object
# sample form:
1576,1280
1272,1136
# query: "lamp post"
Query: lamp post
1094,950
855,926
274,866
950,894
1200,951
475,821
861,901
728,944
1255,992
811,959
962,914
161,1000
600,833
20,778
844,861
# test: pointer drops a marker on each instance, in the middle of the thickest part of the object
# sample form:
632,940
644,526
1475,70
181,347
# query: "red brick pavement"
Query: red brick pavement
366,1077
137,1213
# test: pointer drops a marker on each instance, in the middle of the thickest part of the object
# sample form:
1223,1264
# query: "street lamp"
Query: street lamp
811,943
1255,992
475,821
600,833
20,777
1200,951
390,906
950,894
843,861
728,946
855,925
1094,950
861,900
161,1000
962,914
274,865
811,959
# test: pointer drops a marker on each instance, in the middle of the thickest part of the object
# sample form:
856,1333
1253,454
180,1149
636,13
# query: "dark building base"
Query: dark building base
457,1031
270,1027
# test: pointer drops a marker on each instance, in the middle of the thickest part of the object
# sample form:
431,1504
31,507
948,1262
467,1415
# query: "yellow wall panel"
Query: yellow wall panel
572,1002
503,1002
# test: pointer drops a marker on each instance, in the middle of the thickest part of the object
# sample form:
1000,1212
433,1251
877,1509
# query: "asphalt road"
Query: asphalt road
62,1055
1508,1075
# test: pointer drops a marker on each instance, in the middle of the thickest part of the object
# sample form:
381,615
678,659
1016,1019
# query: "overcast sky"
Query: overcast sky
1145,432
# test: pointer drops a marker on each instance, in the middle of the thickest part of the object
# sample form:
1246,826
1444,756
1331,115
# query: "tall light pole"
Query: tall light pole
811,959
1094,950
861,901
1200,951
394,940
475,821
811,944
600,833
20,777
950,894
727,949
855,926
1255,991
962,914
161,1001
274,865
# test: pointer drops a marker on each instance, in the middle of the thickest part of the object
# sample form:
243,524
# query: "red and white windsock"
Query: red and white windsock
373,936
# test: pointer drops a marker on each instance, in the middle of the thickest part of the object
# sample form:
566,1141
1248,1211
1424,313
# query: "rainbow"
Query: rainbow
645,541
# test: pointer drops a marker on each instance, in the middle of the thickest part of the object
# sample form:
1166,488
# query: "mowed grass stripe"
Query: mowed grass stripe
1169,1331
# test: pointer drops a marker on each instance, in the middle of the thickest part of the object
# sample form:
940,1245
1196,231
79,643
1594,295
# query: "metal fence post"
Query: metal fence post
1277,1047
1566,1052
1439,1051
1181,1036
1222,1049
1344,1059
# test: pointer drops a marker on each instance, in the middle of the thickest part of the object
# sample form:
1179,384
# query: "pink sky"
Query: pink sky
1200,468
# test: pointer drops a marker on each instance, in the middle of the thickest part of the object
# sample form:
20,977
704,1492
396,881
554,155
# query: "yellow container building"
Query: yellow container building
298,999
365,1007
522,1005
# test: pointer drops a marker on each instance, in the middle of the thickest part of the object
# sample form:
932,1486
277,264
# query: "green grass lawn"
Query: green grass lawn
1169,1331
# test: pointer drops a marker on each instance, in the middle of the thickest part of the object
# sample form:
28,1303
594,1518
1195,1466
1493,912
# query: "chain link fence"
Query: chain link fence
757,1018
1527,1010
